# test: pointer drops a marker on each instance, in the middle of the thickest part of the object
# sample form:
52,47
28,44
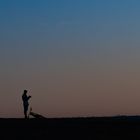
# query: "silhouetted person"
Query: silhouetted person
25,99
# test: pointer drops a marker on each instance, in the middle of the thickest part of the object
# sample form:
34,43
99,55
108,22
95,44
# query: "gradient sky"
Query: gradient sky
76,57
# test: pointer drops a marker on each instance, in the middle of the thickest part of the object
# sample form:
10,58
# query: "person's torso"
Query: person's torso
25,100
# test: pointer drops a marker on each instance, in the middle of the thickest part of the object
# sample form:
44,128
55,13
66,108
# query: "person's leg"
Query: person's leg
25,111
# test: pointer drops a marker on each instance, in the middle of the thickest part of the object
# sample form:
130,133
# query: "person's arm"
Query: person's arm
29,97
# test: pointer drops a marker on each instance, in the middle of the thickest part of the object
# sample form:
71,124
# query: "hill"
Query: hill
122,127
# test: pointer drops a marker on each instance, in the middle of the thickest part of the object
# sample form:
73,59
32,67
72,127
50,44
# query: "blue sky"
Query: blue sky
80,18
84,52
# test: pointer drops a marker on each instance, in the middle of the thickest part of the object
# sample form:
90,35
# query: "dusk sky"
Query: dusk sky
75,57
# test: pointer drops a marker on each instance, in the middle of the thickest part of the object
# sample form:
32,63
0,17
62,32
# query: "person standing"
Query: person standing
25,99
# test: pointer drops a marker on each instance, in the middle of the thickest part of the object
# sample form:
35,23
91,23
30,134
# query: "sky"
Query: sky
76,58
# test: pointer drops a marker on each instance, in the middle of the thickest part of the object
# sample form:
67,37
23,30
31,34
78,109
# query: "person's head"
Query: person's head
25,91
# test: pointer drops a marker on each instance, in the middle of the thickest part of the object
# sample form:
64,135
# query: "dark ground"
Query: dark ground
114,128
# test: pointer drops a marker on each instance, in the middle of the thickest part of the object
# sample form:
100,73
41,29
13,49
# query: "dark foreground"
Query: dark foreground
114,128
